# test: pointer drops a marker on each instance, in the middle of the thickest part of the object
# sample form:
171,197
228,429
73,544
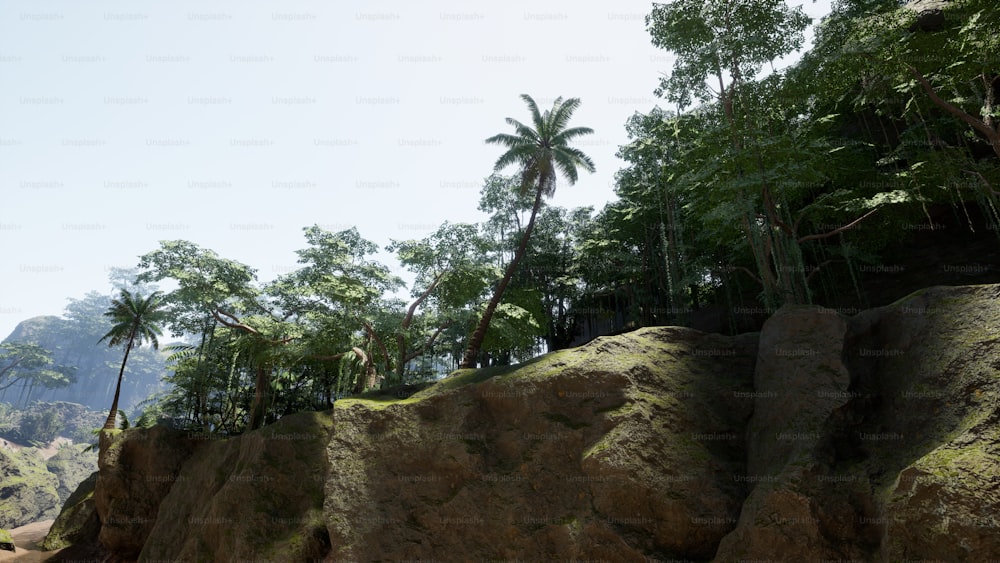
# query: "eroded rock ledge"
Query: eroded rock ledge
873,438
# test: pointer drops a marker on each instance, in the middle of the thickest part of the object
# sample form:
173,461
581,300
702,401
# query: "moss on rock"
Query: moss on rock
870,438
255,496
28,491
6,541
563,456
77,521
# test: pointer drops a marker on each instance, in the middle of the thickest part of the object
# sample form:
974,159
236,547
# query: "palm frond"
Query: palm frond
567,135
536,115
562,111
180,352
544,150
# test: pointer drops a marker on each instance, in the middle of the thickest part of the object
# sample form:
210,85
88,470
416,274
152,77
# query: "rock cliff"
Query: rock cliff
873,437
28,491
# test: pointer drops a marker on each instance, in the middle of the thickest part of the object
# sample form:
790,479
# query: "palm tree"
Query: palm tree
136,319
540,152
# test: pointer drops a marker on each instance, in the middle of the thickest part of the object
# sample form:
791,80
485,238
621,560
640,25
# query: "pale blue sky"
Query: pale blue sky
235,124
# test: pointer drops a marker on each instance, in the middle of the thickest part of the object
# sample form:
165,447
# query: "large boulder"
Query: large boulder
929,14
929,438
258,496
77,521
136,469
622,449
898,461
793,513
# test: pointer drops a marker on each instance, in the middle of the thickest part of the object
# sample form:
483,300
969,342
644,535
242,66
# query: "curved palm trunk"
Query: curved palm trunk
476,342
110,423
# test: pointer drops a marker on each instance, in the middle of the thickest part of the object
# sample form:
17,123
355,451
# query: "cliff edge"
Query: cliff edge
873,437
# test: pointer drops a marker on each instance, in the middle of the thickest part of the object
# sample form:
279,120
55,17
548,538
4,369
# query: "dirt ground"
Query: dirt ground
26,540
48,451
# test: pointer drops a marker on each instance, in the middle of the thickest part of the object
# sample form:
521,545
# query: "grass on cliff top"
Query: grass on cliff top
604,352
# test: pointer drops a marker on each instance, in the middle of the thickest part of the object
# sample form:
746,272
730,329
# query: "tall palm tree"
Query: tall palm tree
540,152
135,319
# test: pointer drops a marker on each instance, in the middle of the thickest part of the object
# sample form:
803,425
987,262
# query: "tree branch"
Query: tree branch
838,230
235,322
10,382
749,273
332,358
819,266
430,341
992,135
413,306
12,365
984,181
375,337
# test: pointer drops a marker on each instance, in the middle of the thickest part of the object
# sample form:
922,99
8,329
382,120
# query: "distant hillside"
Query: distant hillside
73,341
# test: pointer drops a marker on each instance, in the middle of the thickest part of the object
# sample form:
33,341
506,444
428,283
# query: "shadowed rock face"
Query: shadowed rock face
256,497
136,469
872,438
898,461
77,522
930,14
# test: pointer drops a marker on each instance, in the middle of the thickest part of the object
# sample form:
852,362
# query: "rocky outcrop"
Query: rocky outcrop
33,488
6,541
77,523
622,449
71,465
927,422
796,510
136,470
568,454
900,461
71,342
27,489
870,438
255,497
929,14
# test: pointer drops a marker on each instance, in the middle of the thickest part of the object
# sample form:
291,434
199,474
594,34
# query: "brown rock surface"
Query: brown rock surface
624,449
901,461
136,469
256,497
870,438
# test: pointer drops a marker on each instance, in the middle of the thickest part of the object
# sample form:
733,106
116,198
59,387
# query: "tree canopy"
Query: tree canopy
749,189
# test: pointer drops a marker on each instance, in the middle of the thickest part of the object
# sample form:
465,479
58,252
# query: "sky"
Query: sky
234,125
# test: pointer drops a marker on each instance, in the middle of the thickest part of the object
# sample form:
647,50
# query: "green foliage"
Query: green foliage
710,38
541,152
136,319
205,282
773,189
779,180
542,149
27,363
39,427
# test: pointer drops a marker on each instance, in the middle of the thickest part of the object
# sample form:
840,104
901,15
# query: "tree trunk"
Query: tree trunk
109,424
479,335
261,388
